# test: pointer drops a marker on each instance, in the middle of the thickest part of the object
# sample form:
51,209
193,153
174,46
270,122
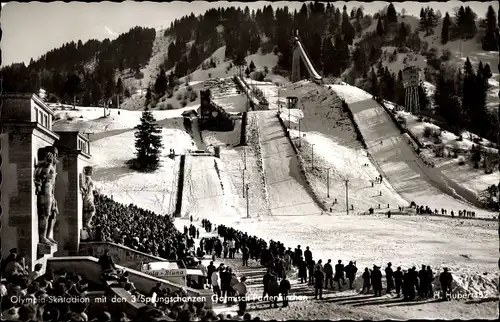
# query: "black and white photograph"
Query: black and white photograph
250,161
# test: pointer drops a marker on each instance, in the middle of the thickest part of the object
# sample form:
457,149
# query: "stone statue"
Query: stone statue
45,179
87,191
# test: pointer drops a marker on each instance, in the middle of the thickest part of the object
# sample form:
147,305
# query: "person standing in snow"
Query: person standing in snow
319,280
308,255
245,255
298,254
430,279
376,278
232,250
366,281
273,290
339,273
445,278
265,282
328,269
284,289
350,271
389,273
302,266
424,283
210,270
398,278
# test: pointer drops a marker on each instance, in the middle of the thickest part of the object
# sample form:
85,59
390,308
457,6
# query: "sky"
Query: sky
31,29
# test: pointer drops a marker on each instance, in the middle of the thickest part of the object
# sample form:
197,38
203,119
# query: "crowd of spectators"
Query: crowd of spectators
279,261
33,296
137,228
150,233
428,211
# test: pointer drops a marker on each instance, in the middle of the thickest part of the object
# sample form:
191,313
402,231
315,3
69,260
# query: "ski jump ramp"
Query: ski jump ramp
396,159
298,54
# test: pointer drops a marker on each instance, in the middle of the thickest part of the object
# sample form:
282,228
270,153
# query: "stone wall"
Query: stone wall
121,254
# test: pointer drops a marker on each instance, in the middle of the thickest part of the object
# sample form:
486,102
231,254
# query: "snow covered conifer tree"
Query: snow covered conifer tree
148,143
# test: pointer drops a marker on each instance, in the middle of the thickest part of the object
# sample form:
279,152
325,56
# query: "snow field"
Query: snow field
112,144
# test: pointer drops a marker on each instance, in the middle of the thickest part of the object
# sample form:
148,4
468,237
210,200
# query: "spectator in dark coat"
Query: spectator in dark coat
308,255
245,255
298,254
319,279
398,278
302,270
430,277
350,271
376,278
273,290
389,273
424,282
284,289
445,278
339,273
366,281
265,282
210,269
328,269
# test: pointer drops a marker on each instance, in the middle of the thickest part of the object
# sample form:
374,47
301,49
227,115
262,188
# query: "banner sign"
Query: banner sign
166,272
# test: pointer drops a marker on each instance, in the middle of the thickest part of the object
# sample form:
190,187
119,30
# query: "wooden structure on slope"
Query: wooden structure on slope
410,82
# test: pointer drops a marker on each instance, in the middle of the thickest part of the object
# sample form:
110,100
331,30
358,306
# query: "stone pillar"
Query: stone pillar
74,157
27,124
296,64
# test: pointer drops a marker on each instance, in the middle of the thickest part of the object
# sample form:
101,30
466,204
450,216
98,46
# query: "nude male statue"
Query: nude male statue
45,178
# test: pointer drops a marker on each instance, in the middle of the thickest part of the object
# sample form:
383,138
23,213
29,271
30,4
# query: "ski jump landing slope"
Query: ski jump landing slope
405,171
207,190
287,190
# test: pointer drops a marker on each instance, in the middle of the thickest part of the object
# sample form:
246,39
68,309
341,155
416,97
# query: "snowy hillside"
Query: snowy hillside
414,181
459,50
112,144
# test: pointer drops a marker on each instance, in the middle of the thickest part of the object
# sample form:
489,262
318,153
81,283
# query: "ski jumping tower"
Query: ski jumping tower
410,83
298,54
296,59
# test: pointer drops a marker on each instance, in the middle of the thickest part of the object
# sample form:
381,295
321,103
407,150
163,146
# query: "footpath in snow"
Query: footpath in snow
287,189
395,157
